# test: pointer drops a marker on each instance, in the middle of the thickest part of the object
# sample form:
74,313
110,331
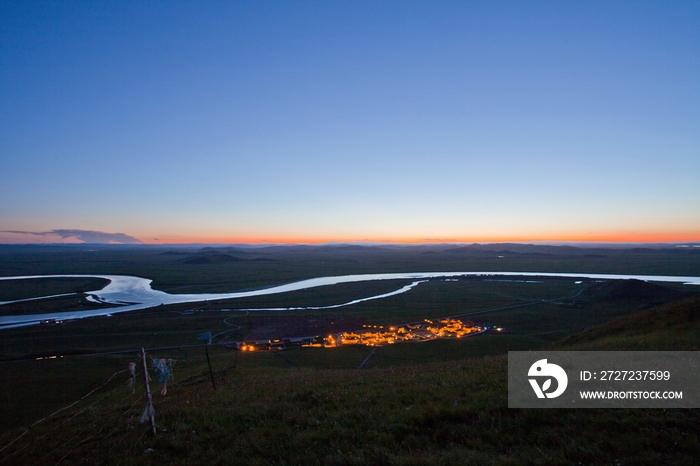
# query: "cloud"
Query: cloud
86,236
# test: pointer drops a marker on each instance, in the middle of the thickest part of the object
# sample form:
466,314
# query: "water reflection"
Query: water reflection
134,293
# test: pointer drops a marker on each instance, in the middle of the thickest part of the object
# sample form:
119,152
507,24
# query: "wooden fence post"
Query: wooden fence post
149,399
211,373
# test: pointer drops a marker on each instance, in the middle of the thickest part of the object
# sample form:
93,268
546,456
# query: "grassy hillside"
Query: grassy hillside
673,327
447,412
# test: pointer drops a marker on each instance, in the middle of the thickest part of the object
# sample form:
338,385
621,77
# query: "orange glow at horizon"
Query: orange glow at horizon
574,238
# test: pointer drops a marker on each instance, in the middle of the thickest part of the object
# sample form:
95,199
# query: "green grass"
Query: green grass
168,326
51,305
449,411
439,402
527,328
673,327
30,288
435,413
170,274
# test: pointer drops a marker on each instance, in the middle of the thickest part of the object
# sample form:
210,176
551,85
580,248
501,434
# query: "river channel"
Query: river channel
134,293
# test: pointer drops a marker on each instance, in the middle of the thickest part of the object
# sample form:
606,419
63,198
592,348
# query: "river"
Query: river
134,293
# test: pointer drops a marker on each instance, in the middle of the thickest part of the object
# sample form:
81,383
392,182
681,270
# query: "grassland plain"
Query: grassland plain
435,402
175,326
274,265
23,289
445,412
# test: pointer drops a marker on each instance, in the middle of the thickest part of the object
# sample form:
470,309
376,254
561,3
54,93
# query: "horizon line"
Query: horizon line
691,243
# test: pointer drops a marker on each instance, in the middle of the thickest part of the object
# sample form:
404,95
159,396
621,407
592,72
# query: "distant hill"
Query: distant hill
518,249
220,250
326,248
199,259
210,257
544,250
647,294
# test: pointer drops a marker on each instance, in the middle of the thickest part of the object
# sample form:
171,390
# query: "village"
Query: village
375,335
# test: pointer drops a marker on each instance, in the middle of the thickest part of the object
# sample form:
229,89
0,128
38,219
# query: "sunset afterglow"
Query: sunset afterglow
411,122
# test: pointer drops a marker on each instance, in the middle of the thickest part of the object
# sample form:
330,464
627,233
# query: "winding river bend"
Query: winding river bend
134,293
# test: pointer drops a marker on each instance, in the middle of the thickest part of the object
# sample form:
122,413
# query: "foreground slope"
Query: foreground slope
434,413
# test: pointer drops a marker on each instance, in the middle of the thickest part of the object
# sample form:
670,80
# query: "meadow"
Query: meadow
415,403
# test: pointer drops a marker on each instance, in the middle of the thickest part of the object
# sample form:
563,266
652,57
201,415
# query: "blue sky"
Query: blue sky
347,121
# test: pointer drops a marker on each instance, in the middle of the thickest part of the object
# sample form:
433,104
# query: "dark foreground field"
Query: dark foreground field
428,413
441,402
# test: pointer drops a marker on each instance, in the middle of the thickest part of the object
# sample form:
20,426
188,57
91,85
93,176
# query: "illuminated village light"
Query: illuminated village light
377,335
445,328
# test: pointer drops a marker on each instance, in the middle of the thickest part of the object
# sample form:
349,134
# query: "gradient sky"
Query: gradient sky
348,121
